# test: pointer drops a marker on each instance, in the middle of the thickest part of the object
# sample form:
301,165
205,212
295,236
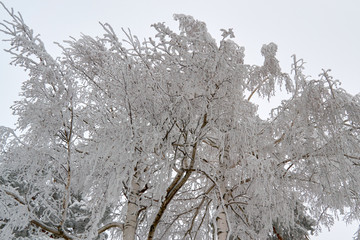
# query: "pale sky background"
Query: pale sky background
325,33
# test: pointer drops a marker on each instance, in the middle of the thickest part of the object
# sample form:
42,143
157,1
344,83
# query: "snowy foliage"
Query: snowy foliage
160,139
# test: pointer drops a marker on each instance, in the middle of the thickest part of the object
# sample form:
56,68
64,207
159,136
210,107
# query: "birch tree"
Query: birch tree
161,139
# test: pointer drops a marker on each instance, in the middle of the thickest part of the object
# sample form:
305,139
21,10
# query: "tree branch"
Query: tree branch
47,228
37,222
176,185
257,88
16,197
277,234
111,225
198,210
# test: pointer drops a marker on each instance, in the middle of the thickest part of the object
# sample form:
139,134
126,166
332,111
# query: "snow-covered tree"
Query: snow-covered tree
161,139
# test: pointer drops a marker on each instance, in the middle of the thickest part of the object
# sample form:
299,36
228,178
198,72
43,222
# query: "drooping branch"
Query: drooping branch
38,223
16,197
111,225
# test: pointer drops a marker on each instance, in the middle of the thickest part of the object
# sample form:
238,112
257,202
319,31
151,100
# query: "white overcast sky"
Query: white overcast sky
325,33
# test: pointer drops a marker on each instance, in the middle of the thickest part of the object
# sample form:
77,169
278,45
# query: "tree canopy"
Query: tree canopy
161,139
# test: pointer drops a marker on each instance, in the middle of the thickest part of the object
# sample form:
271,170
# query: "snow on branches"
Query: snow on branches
161,139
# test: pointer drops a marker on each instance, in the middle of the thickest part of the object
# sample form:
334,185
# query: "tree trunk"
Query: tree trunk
132,210
221,221
222,227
